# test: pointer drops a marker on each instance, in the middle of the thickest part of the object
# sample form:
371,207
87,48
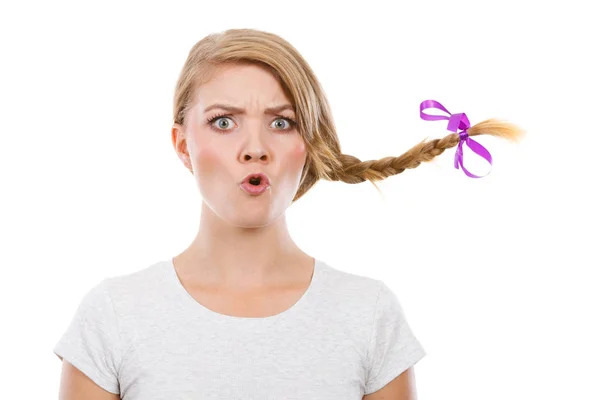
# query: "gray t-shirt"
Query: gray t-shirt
144,336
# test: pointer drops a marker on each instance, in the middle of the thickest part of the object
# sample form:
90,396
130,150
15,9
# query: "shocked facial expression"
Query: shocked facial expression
242,123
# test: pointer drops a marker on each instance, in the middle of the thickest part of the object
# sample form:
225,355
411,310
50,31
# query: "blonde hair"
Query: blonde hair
315,123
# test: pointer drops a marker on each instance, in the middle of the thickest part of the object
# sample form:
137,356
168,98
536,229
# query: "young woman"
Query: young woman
243,312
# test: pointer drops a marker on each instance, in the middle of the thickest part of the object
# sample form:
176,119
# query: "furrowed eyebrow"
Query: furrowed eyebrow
237,110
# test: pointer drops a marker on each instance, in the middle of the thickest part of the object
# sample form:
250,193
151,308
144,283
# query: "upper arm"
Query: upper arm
91,345
403,387
75,385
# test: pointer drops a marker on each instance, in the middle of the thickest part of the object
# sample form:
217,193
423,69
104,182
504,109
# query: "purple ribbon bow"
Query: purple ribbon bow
456,122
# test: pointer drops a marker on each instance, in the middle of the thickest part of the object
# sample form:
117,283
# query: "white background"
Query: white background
497,276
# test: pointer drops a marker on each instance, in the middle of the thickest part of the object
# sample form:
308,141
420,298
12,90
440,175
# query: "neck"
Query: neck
229,256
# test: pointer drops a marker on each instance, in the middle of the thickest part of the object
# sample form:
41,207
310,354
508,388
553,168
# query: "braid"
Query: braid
356,171
352,170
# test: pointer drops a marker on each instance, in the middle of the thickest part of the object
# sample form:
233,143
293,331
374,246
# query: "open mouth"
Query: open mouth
256,184
255,181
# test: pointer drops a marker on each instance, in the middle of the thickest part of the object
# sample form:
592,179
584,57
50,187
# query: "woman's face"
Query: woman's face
223,146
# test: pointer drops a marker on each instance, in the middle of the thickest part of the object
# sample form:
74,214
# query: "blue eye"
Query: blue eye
291,122
283,119
220,118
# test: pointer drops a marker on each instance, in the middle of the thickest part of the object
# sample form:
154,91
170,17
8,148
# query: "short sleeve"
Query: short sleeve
91,341
393,347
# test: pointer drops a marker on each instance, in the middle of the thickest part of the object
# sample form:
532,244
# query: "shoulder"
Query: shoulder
147,277
349,296
131,290
351,286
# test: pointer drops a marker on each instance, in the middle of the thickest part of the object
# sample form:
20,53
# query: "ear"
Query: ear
180,145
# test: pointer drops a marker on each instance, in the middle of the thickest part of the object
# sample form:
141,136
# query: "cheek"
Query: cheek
208,161
298,154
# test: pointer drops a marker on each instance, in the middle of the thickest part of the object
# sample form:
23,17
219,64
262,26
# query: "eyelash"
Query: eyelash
210,121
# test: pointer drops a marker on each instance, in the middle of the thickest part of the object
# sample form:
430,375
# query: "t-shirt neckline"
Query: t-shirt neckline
196,307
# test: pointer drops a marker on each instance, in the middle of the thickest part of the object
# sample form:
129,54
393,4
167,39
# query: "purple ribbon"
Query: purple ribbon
456,122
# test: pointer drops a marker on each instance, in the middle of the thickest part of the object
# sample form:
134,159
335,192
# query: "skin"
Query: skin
243,247
243,244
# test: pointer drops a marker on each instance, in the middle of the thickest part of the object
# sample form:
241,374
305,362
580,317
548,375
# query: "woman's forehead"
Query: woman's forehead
242,88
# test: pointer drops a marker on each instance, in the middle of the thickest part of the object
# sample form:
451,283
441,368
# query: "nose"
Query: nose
258,154
255,147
